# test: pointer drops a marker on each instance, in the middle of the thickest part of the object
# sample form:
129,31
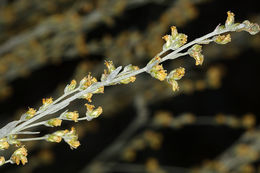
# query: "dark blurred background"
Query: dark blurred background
212,121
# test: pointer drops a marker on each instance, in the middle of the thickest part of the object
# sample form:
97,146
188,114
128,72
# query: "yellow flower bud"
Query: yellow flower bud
72,138
74,144
3,144
230,19
222,39
175,86
53,138
168,40
30,113
195,52
71,116
19,156
176,74
88,97
2,160
99,90
54,122
110,66
47,101
128,80
92,113
13,141
70,87
87,81
158,72
174,32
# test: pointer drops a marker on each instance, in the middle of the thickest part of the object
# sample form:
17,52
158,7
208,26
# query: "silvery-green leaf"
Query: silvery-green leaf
8,128
114,73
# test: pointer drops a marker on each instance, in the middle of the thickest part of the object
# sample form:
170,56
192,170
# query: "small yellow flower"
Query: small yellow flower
13,141
72,138
70,87
175,85
93,113
157,70
128,80
54,122
72,116
19,156
87,81
89,107
53,138
195,52
74,144
47,101
4,144
177,74
2,160
99,90
110,66
222,39
168,40
88,97
230,19
30,113
174,32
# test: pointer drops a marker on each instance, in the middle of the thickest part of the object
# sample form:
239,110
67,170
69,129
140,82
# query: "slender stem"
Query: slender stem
32,139
27,133
35,124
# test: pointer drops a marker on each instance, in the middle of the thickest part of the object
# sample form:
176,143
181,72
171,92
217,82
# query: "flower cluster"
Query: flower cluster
19,156
69,137
157,70
175,40
175,75
195,52
91,112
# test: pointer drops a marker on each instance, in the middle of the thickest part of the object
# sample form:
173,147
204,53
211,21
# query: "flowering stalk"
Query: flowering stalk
175,43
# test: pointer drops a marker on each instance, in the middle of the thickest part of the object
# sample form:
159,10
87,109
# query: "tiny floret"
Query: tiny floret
2,160
19,156
4,144
195,52
91,112
70,87
230,19
54,122
222,39
157,70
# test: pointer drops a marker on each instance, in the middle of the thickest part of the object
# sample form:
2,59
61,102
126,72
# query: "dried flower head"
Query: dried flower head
230,19
30,113
70,87
251,28
19,156
222,39
2,160
157,70
195,52
71,116
72,138
54,122
4,144
47,101
87,81
91,112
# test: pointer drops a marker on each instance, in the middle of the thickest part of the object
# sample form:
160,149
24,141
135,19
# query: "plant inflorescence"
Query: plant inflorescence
175,46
